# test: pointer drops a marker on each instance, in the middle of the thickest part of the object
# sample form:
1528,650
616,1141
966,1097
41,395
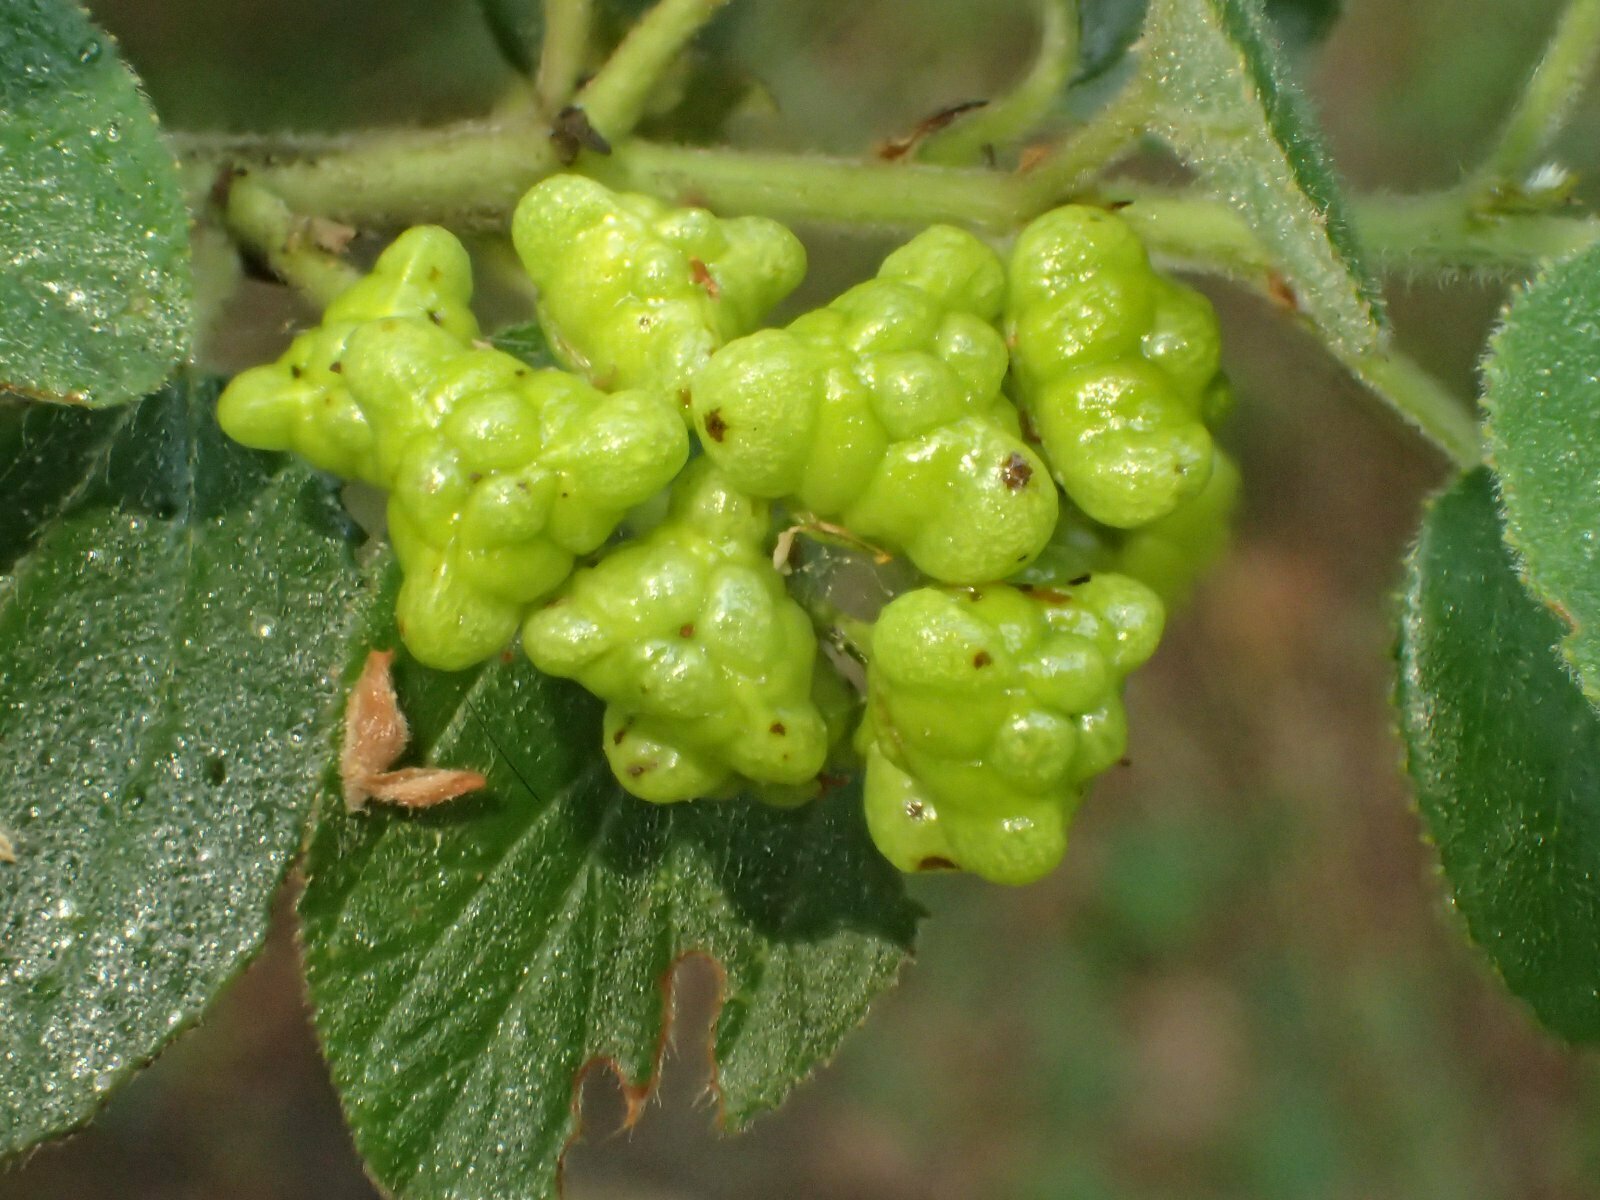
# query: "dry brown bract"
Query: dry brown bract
900,147
8,852
375,735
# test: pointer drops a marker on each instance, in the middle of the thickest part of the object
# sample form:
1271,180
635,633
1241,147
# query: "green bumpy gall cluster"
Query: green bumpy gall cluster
633,293
704,661
303,402
1116,365
498,474
505,476
1169,555
988,710
883,412
992,692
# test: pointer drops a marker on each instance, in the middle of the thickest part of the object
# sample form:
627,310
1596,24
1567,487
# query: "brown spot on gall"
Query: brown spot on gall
1015,472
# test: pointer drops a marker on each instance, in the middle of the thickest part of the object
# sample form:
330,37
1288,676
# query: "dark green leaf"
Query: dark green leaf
467,963
1544,434
516,26
1505,755
700,92
169,650
44,458
1227,106
1106,29
95,291
1299,22
526,342
1109,27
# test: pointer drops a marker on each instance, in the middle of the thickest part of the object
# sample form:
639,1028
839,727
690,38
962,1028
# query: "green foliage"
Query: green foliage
1109,27
1227,105
467,965
1544,433
95,286
1106,29
43,457
1505,755
167,640
1298,22
516,26
174,610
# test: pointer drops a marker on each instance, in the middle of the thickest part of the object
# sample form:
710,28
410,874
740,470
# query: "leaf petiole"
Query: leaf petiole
1206,235
563,51
302,251
614,99
1552,91
1018,113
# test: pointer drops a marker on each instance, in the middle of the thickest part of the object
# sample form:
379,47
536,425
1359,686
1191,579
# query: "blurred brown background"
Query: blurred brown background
1246,981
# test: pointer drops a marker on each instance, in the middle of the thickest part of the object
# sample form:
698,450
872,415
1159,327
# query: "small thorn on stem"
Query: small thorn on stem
572,134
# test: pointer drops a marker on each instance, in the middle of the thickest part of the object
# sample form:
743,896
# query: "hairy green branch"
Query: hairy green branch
302,251
1548,99
1018,113
614,99
563,52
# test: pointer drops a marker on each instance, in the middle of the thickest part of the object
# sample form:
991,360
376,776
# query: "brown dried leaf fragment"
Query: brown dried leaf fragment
701,274
331,237
1281,292
1031,157
8,852
375,732
900,147
375,735
422,787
